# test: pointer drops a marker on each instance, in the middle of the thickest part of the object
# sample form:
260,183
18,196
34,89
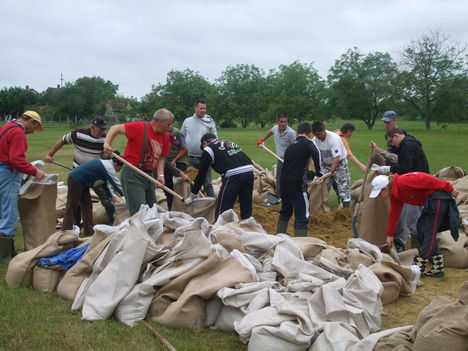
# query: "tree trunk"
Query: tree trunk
428,122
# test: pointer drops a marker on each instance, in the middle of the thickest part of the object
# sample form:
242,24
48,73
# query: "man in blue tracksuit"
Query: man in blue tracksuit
236,170
294,194
85,176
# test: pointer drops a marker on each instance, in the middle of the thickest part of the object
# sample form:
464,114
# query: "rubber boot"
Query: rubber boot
13,250
437,269
421,262
346,204
300,232
282,227
5,250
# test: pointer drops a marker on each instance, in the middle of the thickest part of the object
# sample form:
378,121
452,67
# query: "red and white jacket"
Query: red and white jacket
13,146
412,188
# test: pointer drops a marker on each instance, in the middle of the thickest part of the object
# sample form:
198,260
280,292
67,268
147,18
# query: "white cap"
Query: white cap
378,183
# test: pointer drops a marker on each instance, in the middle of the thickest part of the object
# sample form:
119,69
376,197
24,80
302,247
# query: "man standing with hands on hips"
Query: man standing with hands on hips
13,164
284,136
193,128
147,146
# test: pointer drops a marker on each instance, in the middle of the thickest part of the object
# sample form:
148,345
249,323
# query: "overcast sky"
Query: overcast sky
136,43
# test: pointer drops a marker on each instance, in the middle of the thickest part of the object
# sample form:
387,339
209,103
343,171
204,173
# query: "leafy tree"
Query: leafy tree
298,91
241,87
15,100
361,86
178,94
451,100
429,62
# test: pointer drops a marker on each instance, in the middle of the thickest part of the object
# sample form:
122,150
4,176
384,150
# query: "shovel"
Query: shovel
361,197
61,165
271,152
147,176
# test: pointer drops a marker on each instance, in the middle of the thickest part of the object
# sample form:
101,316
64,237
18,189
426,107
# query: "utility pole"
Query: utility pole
61,80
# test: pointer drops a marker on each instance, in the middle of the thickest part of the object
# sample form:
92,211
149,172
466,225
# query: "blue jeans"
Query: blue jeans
10,182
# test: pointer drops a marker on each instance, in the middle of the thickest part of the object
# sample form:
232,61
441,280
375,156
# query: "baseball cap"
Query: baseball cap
35,116
389,116
206,137
99,122
378,183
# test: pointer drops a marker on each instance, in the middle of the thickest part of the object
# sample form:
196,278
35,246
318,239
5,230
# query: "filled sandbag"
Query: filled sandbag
318,197
443,325
450,173
374,215
20,268
455,252
45,279
37,210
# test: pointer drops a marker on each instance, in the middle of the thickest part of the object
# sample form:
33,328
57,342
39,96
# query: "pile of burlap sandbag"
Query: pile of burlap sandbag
277,292
442,325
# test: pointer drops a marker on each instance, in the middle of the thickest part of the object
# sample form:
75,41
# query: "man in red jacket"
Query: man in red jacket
13,146
440,212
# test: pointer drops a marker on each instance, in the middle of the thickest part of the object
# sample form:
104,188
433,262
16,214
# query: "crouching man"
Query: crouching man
236,170
439,213
85,176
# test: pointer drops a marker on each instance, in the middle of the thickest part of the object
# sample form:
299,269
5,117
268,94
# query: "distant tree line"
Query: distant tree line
429,81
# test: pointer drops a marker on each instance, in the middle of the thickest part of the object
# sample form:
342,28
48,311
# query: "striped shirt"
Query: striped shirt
87,147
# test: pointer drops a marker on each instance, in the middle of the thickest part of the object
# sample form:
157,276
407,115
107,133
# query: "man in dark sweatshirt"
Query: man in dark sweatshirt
411,158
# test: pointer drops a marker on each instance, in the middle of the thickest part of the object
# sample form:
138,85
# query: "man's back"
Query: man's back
193,128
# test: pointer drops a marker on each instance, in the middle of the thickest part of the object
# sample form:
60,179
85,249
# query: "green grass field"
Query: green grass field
31,320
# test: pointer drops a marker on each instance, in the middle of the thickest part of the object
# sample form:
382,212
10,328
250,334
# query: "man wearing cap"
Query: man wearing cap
193,128
334,161
88,145
439,213
13,146
147,146
284,136
236,170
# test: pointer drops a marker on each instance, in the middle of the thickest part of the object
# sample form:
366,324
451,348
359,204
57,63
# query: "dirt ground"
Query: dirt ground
336,228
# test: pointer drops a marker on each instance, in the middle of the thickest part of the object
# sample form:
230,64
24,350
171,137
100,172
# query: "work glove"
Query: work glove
381,169
319,180
188,201
260,142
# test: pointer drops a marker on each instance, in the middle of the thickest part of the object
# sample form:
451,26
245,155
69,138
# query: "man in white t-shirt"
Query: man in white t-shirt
284,136
334,160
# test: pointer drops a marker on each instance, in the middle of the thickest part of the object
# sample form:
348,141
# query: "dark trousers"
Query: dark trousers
297,202
429,226
169,182
78,197
239,185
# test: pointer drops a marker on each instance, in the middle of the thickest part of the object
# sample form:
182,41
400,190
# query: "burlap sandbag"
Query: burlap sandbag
181,302
71,281
121,212
396,280
443,325
399,341
183,189
45,279
318,197
356,188
229,240
450,173
38,214
374,215
455,252
20,267
61,202
461,185
161,198
99,214
202,207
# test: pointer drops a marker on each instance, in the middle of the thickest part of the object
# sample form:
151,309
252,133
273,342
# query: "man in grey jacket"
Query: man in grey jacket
193,128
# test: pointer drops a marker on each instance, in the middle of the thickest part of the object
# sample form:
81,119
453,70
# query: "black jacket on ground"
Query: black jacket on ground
296,164
411,157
